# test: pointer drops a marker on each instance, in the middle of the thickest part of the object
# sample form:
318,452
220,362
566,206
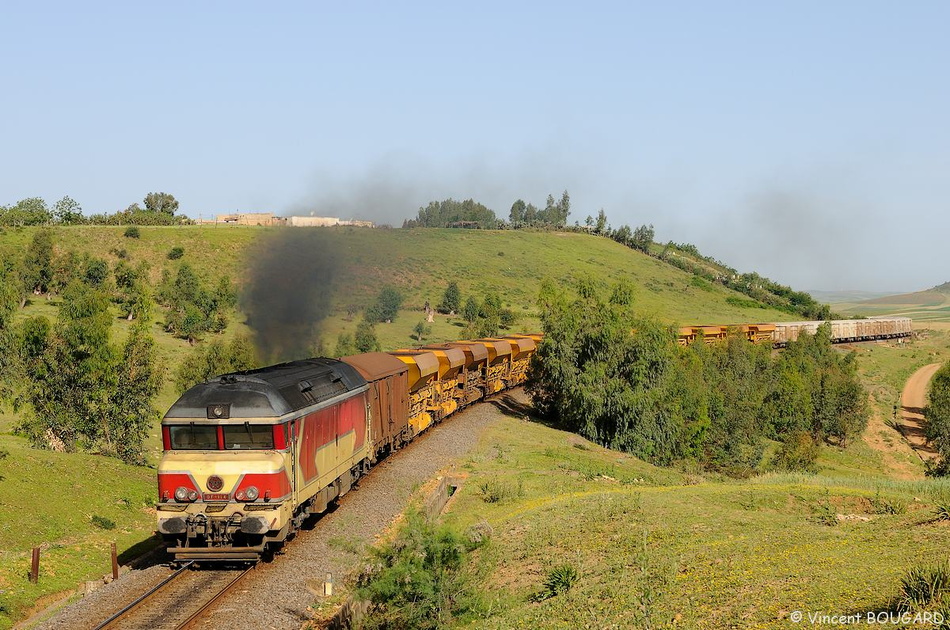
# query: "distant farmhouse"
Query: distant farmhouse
269,219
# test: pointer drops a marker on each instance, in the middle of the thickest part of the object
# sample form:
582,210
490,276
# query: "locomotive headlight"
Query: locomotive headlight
181,494
192,496
252,493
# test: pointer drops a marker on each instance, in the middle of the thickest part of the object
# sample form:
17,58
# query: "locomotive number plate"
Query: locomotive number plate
216,497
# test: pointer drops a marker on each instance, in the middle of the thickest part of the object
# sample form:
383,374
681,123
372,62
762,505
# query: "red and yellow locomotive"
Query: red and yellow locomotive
249,456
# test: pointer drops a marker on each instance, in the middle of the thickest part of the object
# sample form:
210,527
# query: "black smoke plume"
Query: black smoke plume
289,291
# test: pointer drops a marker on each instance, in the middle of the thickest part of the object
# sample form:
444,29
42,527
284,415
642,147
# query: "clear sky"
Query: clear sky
805,140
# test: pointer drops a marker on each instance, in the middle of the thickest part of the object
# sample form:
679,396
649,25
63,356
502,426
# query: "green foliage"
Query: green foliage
161,203
452,213
345,345
176,252
472,309
37,269
714,404
71,384
495,490
451,300
67,211
422,579
133,292
214,359
559,579
365,338
825,512
194,309
102,522
937,414
642,238
942,512
386,307
132,232
799,452
886,506
31,211
925,586
422,330
130,412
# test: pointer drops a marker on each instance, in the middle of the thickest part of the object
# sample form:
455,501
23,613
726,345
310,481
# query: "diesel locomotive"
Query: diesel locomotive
249,456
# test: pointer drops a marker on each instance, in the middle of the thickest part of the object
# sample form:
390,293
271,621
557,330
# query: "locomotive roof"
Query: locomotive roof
269,392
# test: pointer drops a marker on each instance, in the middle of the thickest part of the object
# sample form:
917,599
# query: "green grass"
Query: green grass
64,504
650,549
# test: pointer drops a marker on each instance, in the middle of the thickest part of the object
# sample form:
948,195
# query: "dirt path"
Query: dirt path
913,401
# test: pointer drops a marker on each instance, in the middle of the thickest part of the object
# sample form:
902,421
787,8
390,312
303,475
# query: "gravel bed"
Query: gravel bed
278,593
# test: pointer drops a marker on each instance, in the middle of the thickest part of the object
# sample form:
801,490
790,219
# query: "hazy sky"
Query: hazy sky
808,141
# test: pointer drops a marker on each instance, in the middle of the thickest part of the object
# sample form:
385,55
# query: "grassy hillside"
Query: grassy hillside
658,549
420,263
932,305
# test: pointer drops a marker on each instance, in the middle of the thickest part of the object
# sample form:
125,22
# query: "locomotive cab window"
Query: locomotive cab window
249,436
193,437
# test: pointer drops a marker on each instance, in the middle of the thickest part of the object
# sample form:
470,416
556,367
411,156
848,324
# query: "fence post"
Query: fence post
115,564
35,566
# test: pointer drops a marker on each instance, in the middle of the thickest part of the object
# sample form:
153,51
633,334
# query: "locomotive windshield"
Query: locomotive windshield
249,436
193,437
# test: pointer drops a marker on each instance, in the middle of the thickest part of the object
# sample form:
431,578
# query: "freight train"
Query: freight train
249,456
780,333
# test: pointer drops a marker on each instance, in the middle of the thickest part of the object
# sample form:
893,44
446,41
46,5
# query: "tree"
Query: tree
386,306
421,330
937,414
516,216
345,346
71,385
471,311
365,338
452,300
601,225
68,211
133,290
130,411
162,203
214,359
37,270
642,238
30,211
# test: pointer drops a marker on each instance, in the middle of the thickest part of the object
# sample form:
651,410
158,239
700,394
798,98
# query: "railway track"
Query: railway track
177,602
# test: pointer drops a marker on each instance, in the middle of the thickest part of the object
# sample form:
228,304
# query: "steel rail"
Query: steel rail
190,621
142,598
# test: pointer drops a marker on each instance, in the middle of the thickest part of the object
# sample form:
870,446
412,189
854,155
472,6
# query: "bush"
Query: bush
176,253
420,579
132,232
497,491
925,586
559,580
102,522
799,452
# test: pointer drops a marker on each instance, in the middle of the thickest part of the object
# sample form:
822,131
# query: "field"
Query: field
686,532
929,306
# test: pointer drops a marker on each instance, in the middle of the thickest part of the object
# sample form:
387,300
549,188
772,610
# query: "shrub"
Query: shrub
421,579
559,580
132,232
883,505
924,586
102,522
497,491
798,452
176,252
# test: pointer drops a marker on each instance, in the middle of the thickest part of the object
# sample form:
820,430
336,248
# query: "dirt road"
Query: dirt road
913,401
